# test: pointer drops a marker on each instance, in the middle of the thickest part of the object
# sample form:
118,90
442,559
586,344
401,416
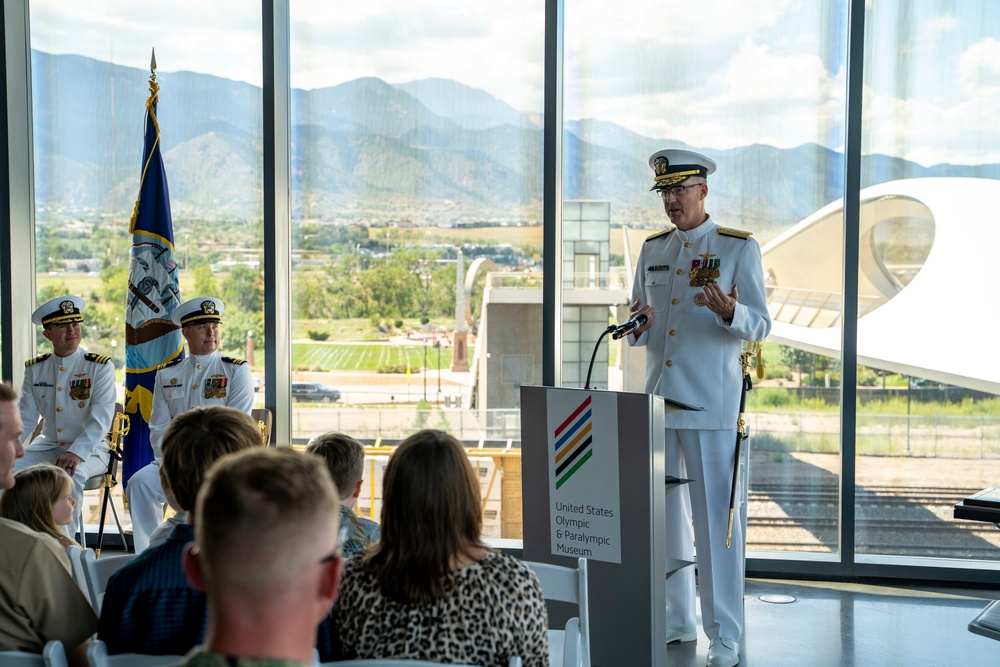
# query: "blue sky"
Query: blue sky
716,73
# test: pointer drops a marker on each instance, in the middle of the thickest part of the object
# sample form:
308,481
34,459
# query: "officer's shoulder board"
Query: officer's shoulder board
168,364
41,357
736,233
96,358
234,360
659,234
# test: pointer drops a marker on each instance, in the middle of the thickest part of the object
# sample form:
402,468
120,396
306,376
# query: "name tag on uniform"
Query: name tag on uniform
657,267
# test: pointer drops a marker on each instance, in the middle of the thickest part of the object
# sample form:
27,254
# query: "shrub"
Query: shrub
391,368
773,397
318,335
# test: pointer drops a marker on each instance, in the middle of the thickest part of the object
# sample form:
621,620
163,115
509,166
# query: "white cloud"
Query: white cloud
221,37
979,66
939,26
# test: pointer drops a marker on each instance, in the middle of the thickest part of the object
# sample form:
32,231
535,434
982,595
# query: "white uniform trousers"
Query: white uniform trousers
707,457
95,464
145,504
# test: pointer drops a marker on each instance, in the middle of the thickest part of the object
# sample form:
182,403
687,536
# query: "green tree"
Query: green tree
243,289
205,283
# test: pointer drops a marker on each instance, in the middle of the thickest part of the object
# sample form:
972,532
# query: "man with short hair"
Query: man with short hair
345,459
267,555
73,391
39,600
701,286
201,379
149,607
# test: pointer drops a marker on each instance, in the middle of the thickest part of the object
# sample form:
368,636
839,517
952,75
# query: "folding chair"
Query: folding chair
264,420
98,572
76,566
97,656
52,655
569,647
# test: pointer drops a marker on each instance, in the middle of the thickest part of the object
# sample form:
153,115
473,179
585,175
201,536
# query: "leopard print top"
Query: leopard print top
495,610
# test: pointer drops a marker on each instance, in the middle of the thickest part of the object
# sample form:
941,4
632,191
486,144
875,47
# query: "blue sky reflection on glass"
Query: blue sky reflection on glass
932,81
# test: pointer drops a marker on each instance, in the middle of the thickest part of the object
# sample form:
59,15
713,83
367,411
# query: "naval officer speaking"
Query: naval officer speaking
701,287
203,378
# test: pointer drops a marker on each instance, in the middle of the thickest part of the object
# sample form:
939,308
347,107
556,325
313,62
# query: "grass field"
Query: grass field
367,356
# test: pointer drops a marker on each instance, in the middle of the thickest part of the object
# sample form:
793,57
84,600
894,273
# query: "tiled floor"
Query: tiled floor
853,625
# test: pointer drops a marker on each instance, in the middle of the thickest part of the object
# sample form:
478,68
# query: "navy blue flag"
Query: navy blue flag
151,338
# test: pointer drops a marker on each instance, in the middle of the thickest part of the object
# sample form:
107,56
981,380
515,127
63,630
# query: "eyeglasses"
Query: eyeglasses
345,532
677,190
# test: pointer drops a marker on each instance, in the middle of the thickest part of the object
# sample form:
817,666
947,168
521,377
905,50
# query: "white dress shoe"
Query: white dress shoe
723,652
680,636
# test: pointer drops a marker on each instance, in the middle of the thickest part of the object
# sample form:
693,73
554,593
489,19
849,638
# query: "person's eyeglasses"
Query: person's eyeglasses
677,190
345,532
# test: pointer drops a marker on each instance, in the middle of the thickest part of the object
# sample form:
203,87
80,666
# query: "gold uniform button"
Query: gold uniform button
679,272
669,363
687,244
673,302
62,368
652,282
81,404
673,333
62,444
58,430
58,388
198,366
58,409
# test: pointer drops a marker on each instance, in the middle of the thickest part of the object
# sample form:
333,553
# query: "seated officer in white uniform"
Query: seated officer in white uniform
701,287
201,379
74,392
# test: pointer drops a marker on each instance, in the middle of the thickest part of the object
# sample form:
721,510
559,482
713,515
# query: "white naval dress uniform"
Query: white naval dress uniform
692,355
194,382
75,395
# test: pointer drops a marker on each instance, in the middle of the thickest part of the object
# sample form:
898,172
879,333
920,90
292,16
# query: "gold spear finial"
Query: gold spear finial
152,64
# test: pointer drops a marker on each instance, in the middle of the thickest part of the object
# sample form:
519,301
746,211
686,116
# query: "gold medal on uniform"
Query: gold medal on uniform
704,271
80,389
215,387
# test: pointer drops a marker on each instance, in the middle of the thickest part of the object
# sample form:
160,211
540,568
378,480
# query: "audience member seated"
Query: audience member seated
345,458
42,499
266,554
149,607
430,589
39,601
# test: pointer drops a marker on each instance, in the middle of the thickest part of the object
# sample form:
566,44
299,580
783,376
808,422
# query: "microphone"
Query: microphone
633,323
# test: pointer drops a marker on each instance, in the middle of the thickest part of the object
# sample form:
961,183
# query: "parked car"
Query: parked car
314,391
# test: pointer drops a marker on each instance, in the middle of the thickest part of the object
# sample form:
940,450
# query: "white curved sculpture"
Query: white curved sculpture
939,325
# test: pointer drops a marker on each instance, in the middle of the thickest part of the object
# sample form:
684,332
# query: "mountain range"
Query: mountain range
368,150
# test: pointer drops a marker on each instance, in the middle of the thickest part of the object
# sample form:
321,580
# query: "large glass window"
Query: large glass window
90,81
416,207
928,430
416,190
759,88
89,90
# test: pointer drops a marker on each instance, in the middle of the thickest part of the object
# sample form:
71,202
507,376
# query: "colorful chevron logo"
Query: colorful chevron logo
573,442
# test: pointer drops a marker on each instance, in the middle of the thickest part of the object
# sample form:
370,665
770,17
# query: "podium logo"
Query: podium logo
573,442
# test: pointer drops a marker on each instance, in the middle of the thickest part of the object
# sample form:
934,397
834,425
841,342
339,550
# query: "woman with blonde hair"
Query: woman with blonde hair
430,589
41,499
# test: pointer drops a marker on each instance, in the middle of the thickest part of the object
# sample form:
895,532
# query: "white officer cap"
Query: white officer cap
198,310
61,310
673,166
